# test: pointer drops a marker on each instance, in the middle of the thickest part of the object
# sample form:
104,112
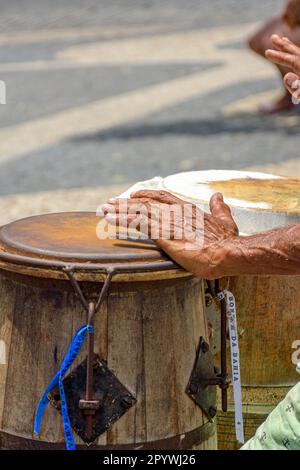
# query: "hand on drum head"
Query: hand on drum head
197,241
286,53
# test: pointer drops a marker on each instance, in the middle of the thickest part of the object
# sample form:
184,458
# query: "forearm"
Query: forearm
269,253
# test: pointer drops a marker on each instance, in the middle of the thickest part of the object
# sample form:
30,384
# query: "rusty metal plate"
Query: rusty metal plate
203,380
114,399
72,236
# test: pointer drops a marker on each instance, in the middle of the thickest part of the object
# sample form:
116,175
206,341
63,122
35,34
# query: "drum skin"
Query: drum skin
147,331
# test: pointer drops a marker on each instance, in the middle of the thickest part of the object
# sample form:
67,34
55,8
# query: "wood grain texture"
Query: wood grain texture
20,391
147,332
268,310
126,360
6,324
268,315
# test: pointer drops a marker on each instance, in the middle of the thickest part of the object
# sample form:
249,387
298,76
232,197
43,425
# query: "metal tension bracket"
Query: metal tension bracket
96,398
205,377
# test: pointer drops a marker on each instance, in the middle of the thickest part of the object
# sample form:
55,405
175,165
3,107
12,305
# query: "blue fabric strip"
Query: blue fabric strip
58,381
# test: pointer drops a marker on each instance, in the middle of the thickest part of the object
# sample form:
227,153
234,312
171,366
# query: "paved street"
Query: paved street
102,94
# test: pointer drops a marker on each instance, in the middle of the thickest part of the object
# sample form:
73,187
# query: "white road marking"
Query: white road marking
38,134
249,104
189,46
35,135
71,34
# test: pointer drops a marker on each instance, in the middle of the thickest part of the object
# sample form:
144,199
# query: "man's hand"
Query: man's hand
205,249
222,252
288,54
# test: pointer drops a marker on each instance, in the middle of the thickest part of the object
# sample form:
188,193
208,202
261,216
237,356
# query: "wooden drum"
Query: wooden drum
268,307
147,330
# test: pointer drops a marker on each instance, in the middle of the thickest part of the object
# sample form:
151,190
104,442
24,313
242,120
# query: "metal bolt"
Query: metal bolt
208,300
212,411
193,388
126,402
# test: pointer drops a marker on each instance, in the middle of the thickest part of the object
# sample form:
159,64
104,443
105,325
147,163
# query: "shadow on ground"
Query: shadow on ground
288,124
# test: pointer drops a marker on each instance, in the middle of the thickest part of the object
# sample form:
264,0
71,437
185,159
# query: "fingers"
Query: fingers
292,83
143,215
152,209
286,53
285,45
146,197
222,212
165,221
154,229
185,215
283,58
159,196
152,216
277,42
131,221
123,205
151,201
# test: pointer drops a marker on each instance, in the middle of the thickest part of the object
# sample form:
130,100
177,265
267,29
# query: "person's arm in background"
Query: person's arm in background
292,13
222,252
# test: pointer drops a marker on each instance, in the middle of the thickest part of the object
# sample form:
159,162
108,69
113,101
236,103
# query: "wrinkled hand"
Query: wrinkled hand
203,248
288,54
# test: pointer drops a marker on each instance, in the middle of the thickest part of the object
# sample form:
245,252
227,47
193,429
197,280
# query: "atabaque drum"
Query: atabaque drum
128,385
268,307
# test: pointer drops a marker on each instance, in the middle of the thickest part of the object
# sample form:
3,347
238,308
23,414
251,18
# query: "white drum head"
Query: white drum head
259,201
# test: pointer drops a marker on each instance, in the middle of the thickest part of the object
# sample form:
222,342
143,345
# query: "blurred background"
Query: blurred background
101,94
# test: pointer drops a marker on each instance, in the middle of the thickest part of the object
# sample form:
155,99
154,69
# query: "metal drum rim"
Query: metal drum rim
17,247
51,264
91,272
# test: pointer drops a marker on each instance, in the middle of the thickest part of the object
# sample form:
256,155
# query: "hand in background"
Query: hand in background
286,53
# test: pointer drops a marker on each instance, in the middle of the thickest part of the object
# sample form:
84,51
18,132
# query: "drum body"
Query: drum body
268,307
146,333
268,310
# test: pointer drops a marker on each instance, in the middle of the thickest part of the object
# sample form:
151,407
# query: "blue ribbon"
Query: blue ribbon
58,381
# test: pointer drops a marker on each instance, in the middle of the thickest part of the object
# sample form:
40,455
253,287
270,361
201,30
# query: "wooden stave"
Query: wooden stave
117,434
268,375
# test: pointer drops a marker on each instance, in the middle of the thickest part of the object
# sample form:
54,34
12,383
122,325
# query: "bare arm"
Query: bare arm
291,14
276,252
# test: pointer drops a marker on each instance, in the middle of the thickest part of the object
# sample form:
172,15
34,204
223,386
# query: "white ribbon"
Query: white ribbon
235,365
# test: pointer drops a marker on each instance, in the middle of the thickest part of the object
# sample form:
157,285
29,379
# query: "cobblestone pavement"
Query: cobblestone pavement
102,94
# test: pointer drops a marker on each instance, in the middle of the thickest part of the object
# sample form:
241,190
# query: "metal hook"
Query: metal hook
89,405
